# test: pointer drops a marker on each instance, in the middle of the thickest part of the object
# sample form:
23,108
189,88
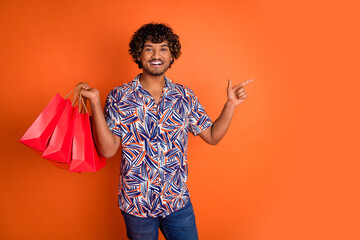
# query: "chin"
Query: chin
157,74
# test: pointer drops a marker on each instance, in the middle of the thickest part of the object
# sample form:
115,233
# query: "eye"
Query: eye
164,49
148,49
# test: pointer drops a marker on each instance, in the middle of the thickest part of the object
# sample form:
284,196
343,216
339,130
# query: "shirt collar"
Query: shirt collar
136,85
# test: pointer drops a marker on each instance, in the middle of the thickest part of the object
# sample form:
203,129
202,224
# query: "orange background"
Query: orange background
288,167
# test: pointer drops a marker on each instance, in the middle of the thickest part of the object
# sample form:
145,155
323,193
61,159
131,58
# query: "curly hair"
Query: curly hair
156,33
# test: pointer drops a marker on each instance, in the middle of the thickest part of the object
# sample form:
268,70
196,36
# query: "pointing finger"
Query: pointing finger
242,84
246,82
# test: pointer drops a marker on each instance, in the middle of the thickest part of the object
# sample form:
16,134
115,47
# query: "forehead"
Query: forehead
152,44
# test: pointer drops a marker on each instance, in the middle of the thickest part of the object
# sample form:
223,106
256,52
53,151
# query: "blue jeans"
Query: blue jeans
179,225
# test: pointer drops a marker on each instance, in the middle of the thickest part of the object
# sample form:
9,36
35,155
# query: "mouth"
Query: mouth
156,63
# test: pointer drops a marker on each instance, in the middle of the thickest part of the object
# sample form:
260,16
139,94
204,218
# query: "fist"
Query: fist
86,91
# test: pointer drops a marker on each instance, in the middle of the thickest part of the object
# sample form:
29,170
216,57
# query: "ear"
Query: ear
139,58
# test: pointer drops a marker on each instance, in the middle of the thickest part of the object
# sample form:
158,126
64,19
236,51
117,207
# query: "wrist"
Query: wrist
230,105
95,100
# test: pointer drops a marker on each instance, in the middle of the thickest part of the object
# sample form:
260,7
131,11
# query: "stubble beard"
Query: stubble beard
156,73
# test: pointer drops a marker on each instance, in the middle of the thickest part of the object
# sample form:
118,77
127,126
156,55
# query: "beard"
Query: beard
155,72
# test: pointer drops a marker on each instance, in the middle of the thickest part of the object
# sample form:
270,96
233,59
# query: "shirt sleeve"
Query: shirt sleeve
111,112
198,119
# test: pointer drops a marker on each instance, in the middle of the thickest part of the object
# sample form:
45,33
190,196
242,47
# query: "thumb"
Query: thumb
229,84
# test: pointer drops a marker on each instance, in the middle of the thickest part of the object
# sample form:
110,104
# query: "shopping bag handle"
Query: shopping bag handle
76,95
83,105
70,93
78,99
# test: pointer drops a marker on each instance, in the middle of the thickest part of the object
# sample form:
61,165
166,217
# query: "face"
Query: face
155,58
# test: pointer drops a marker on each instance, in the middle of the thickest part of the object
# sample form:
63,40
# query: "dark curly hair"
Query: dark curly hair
156,33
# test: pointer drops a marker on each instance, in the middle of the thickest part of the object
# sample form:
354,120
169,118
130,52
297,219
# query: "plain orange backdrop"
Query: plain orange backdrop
288,167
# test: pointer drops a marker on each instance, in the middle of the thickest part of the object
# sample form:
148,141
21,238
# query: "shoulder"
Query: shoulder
118,92
184,90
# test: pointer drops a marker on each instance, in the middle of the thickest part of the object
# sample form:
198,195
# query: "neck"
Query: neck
152,82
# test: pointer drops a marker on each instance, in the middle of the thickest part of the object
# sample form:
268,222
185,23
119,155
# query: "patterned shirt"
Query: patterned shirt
154,137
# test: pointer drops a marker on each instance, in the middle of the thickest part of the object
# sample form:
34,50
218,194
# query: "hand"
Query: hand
87,92
236,94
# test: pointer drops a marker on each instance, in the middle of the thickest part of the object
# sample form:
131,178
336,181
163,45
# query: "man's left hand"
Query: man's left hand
236,94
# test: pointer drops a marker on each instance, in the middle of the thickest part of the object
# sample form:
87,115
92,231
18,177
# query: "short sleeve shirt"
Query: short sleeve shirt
154,137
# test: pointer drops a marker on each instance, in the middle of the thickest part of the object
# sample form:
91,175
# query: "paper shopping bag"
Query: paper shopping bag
38,134
60,144
84,155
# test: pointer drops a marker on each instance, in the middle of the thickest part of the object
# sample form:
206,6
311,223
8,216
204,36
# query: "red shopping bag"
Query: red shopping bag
60,144
37,136
84,155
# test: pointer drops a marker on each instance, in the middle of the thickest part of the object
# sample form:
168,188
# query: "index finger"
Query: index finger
246,82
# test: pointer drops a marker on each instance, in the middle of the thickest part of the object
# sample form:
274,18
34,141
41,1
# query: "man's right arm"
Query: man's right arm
107,143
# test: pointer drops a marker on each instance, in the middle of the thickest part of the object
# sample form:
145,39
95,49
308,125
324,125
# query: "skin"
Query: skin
153,80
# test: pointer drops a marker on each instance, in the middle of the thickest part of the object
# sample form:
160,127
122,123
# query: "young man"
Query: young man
151,117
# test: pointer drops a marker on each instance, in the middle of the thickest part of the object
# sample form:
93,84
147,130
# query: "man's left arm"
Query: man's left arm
236,95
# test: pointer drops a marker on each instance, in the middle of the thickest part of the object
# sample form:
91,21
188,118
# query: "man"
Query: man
151,118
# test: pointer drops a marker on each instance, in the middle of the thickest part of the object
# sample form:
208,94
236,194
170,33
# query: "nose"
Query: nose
156,54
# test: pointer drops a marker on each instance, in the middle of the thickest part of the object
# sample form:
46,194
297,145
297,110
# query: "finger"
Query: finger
242,84
246,82
229,83
241,94
81,89
84,93
84,90
241,97
80,84
238,86
239,90
83,85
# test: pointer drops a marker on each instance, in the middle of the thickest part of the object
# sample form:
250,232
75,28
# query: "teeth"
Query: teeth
156,63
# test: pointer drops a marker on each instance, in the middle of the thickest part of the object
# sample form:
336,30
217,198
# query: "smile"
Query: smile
156,63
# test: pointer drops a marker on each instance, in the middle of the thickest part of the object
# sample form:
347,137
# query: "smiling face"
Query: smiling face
155,58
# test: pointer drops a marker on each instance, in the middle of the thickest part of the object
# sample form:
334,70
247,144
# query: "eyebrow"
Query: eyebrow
149,45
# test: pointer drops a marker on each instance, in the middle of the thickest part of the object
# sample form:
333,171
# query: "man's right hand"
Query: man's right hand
90,93
105,141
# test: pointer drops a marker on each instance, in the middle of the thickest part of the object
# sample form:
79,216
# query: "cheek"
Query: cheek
143,56
169,57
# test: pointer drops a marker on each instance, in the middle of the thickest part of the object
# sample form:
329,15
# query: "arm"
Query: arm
106,142
236,96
